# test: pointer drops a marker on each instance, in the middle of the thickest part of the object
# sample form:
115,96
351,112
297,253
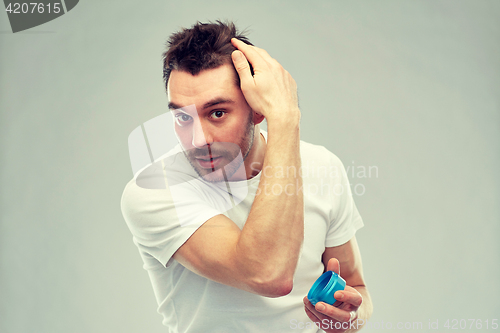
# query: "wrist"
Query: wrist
289,125
288,119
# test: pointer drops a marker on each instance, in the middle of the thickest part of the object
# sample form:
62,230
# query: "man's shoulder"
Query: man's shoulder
139,196
313,153
149,184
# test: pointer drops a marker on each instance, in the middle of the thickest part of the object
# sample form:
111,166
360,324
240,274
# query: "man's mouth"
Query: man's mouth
208,162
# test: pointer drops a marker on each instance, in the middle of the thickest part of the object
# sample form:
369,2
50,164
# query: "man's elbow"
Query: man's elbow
273,288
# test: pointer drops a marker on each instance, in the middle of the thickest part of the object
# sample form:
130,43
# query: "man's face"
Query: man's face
213,121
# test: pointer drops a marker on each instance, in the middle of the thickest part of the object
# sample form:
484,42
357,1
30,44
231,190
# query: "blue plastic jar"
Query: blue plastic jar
325,286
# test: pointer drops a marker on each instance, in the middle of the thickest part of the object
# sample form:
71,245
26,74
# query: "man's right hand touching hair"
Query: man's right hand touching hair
271,91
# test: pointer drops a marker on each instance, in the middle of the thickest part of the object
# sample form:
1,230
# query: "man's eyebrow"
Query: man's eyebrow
173,106
215,101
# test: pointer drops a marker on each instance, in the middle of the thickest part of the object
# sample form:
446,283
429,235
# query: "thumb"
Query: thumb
333,265
243,68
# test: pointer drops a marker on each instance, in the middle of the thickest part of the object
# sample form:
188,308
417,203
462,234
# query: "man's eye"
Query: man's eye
182,119
217,114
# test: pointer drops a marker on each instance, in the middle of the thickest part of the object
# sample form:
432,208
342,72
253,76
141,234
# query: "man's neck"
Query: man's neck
255,159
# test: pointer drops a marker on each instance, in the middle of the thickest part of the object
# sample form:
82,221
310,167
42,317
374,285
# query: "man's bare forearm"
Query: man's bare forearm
270,242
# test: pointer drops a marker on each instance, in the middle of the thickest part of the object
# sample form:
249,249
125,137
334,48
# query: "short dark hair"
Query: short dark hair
203,46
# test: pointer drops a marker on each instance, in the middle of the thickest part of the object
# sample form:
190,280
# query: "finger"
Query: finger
353,298
333,312
313,318
318,316
270,60
333,265
242,68
263,53
253,56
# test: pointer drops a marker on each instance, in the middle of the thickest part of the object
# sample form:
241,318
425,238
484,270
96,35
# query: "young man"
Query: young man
247,220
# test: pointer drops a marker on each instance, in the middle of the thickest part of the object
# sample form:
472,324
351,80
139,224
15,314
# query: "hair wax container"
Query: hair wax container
325,286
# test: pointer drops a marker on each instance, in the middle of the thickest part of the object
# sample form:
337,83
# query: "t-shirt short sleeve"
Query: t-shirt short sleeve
345,219
161,224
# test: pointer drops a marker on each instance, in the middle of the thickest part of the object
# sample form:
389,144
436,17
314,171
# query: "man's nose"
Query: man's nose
201,137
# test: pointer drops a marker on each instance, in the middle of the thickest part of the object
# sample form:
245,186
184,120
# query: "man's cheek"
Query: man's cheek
184,138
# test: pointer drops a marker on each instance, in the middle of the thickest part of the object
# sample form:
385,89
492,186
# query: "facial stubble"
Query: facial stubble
229,169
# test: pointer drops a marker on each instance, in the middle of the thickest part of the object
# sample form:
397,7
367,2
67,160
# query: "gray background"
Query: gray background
411,87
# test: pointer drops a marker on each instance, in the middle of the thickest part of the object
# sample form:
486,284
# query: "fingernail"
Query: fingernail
237,55
339,296
320,307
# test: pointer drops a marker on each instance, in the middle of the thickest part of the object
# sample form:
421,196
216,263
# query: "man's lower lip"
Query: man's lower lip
209,164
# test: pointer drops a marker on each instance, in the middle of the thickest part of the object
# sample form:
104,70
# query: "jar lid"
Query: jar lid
325,286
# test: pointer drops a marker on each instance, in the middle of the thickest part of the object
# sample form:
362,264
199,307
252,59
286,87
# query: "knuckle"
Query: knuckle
241,67
359,300
329,311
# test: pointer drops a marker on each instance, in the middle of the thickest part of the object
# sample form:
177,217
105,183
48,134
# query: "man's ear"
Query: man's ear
257,118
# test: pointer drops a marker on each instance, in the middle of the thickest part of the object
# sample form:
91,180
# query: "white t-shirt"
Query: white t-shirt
162,217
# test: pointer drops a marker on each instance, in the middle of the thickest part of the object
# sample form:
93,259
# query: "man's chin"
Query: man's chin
211,176
226,169
227,172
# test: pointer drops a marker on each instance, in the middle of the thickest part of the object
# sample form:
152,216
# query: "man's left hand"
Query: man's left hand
342,315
